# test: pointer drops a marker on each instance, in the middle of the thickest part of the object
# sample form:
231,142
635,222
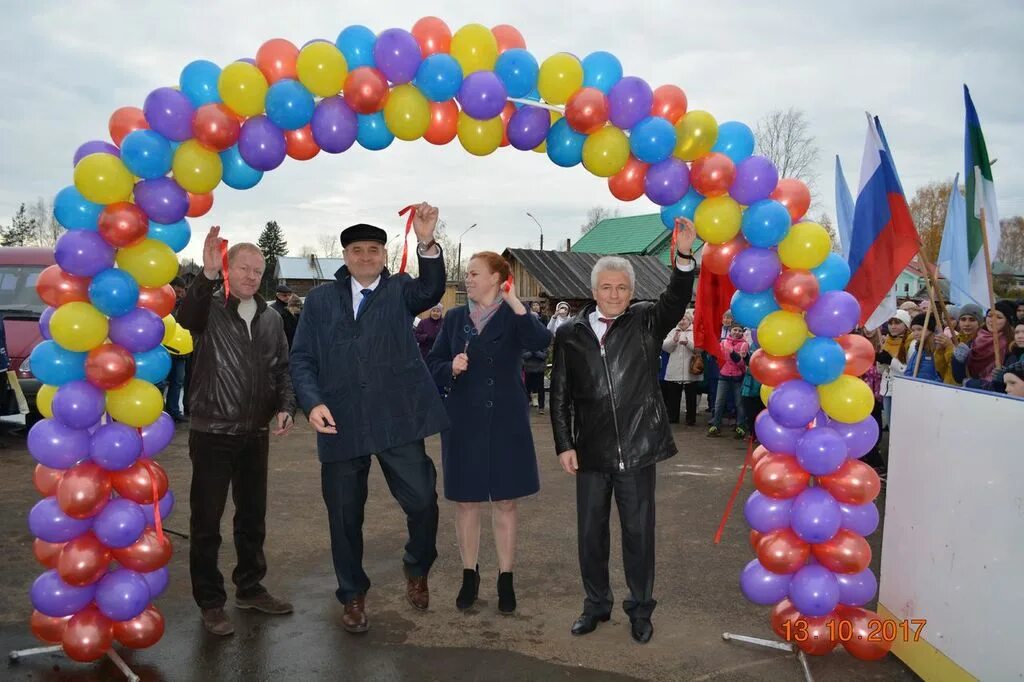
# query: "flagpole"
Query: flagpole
920,340
991,288
934,291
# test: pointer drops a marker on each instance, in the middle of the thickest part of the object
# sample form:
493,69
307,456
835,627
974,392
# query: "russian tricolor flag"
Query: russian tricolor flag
883,240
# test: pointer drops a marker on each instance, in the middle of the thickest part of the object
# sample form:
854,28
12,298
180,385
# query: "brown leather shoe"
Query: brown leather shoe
417,592
354,619
216,622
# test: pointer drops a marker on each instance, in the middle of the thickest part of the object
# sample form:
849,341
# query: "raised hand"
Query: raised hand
425,222
687,235
211,253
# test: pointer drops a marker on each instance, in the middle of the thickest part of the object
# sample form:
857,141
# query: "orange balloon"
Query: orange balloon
773,370
47,553
199,204
506,115
712,174
754,538
854,483
46,479
126,120
276,58
669,103
718,257
433,35
88,635
587,110
780,476
122,224
47,628
83,560
148,553
628,183
366,90
508,37
444,122
866,641
759,453
794,195
57,287
216,127
144,630
782,551
299,143
84,490
860,354
796,290
846,552
160,300
136,482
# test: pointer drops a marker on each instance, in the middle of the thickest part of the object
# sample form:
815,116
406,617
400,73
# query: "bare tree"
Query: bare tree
596,214
785,138
928,210
48,230
328,245
306,251
1011,242
825,220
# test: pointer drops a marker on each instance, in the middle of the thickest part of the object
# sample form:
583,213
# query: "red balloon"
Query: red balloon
433,35
796,290
57,287
754,538
47,628
718,257
276,58
83,560
780,476
508,37
846,552
47,553
444,122
216,127
46,479
782,551
628,183
299,143
854,483
587,110
794,195
148,553
506,115
820,632
782,613
771,369
122,224
160,300
860,354
712,174
866,641
136,482
84,490
366,90
199,204
88,635
109,366
669,103
144,630
759,453
126,120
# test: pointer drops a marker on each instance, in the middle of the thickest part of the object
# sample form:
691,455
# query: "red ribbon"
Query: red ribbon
736,490
675,238
157,521
224,268
411,210
509,283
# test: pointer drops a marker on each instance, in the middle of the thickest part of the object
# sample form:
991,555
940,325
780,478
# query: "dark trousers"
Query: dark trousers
634,496
874,456
729,387
175,386
672,392
412,480
752,406
218,462
535,384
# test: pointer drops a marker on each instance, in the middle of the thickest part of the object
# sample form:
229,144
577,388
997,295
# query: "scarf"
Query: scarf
982,358
480,315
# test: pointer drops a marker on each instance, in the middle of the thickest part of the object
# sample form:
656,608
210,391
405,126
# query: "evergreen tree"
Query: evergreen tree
22,230
273,246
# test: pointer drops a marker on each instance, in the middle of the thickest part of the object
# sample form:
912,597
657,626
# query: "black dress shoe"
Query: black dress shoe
470,588
642,630
506,594
587,623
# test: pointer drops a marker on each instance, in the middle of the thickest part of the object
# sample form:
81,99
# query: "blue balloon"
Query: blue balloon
652,139
565,145
74,211
289,104
176,235
56,366
356,43
735,140
198,82
439,77
373,133
750,309
518,70
821,360
833,274
765,223
152,365
601,70
147,154
114,292
684,208
237,173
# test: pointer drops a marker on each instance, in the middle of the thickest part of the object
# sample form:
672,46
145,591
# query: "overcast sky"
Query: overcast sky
67,66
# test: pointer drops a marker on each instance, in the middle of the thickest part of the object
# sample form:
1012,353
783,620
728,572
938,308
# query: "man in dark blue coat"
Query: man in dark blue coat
360,378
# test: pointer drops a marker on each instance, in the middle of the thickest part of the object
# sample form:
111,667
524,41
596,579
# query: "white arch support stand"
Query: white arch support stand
15,656
772,644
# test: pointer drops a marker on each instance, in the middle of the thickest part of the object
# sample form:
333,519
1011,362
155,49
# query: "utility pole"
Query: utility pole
541,227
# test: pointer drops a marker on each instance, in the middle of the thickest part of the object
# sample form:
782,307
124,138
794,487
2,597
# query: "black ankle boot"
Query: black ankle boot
506,593
470,588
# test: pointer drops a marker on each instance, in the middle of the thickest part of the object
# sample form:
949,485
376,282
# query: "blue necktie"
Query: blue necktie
362,304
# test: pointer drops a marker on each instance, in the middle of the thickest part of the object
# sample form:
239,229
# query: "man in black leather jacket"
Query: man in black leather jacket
611,426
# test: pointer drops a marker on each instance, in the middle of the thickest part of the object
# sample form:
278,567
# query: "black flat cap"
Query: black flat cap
363,233
283,289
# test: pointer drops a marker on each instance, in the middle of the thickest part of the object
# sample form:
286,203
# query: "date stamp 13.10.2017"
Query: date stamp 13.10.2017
839,630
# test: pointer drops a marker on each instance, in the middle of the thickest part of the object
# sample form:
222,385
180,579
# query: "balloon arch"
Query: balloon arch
98,526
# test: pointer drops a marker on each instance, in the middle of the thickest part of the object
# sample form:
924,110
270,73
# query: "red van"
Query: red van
21,309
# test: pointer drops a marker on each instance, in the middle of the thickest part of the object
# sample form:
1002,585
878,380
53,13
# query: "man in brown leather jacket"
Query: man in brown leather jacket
240,382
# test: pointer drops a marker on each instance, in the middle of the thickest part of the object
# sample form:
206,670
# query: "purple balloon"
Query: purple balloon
57,446
816,517
95,147
44,322
397,54
629,102
247,60
316,40
261,144
756,178
156,581
122,594
482,95
162,199
83,252
169,112
814,591
821,451
765,514
754,270
761,586
857,589
138,331
834,313
120,523
775,436
667,181
78,404
334,125
115,446
860,437
166,507
55,598
528,127
862,519
158,435
48,522
793,404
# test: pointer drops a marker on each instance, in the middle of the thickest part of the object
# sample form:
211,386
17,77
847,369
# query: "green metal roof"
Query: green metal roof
638,234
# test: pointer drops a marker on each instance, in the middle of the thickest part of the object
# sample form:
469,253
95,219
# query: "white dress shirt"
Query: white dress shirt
599,327
357,293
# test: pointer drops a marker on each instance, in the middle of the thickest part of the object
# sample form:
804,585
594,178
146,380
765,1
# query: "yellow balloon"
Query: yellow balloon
718,219
766,392
44,400
606,152
479,138
137,403
542,148
196,168
560,75
475,48
78,326
243,88
103,179
322,69
407,113
847,399
696,134
181,343
152,263
170,326
782,333
805,247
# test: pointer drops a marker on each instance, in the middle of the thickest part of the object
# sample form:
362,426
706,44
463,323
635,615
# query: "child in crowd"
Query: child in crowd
892,358
924,344
730,382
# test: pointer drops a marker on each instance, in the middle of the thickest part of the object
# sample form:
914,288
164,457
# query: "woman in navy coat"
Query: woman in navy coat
488,452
